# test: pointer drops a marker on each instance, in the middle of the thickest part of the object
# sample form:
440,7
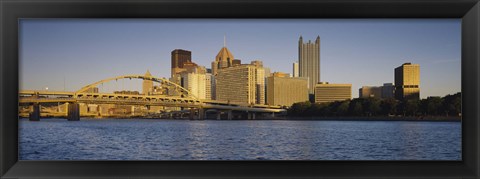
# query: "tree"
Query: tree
388,106
412,107
342,108
299,109
431,106
371,106
452,104
355,108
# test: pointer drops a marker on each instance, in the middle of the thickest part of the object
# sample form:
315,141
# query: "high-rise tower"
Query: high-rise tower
224,59
407,81
179,58
309,62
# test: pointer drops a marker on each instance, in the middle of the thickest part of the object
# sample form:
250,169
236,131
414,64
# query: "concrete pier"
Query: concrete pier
229,115
35,115
73,111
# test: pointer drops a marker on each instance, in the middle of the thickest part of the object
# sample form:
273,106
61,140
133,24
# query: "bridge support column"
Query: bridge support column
229,115
35,114
192,114
253,115
201,114
73,111
219,115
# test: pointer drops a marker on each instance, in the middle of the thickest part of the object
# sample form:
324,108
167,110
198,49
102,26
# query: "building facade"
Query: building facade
179,57
309,62
239,84
384,92
284,90
224,59
407,81
325,92
370,92
388,90
147,85
196,83
295,69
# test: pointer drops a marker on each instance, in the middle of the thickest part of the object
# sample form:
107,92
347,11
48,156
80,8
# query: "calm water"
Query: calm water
141,139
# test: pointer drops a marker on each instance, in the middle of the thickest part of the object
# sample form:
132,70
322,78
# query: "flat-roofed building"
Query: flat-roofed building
388,90
238,84
370,92
295,69
407,81
284,90
325,92
384,92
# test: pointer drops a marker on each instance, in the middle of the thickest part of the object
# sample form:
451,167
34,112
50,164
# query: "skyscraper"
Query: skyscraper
295,69
407,81
147,85
309,62
179,57
241,84
224,59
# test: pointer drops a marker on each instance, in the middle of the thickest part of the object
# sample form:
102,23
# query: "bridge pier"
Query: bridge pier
219,115
35,114
73,111
192,114
229,115
201,114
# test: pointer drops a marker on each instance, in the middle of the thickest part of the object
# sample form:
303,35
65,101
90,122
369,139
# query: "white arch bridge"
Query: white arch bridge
171,95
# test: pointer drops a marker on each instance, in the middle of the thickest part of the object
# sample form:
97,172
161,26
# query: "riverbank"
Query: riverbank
376,118
383,118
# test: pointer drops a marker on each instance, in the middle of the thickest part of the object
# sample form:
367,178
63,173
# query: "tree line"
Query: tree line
449,105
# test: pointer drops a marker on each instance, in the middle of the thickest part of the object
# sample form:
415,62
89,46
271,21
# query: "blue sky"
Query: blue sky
363,52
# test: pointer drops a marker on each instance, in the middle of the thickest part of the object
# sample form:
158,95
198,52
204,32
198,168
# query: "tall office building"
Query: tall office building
325,92
240,84
196,83
295,69
309,62
147,85
179,57
284,90
224,59
407,81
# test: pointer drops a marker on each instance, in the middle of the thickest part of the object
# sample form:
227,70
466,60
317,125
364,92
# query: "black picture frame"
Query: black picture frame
467,10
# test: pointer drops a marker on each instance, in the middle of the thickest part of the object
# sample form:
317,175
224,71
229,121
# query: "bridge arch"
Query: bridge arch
163,81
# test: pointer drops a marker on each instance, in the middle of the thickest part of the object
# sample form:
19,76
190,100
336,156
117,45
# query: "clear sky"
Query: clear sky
71,53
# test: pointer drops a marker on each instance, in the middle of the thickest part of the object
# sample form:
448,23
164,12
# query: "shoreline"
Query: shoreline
382,118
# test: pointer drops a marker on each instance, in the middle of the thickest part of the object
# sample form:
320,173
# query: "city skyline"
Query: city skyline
81,52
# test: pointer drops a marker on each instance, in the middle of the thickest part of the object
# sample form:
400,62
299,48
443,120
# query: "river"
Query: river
147,139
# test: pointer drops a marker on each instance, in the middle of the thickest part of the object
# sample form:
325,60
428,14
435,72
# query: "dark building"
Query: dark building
179,57
236,62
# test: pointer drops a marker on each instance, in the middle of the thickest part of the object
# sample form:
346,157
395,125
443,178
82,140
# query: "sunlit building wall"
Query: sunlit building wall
147,85
309,62
283,90
407,81
325,92
237,84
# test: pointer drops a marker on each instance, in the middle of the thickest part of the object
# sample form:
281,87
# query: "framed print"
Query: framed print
243,89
